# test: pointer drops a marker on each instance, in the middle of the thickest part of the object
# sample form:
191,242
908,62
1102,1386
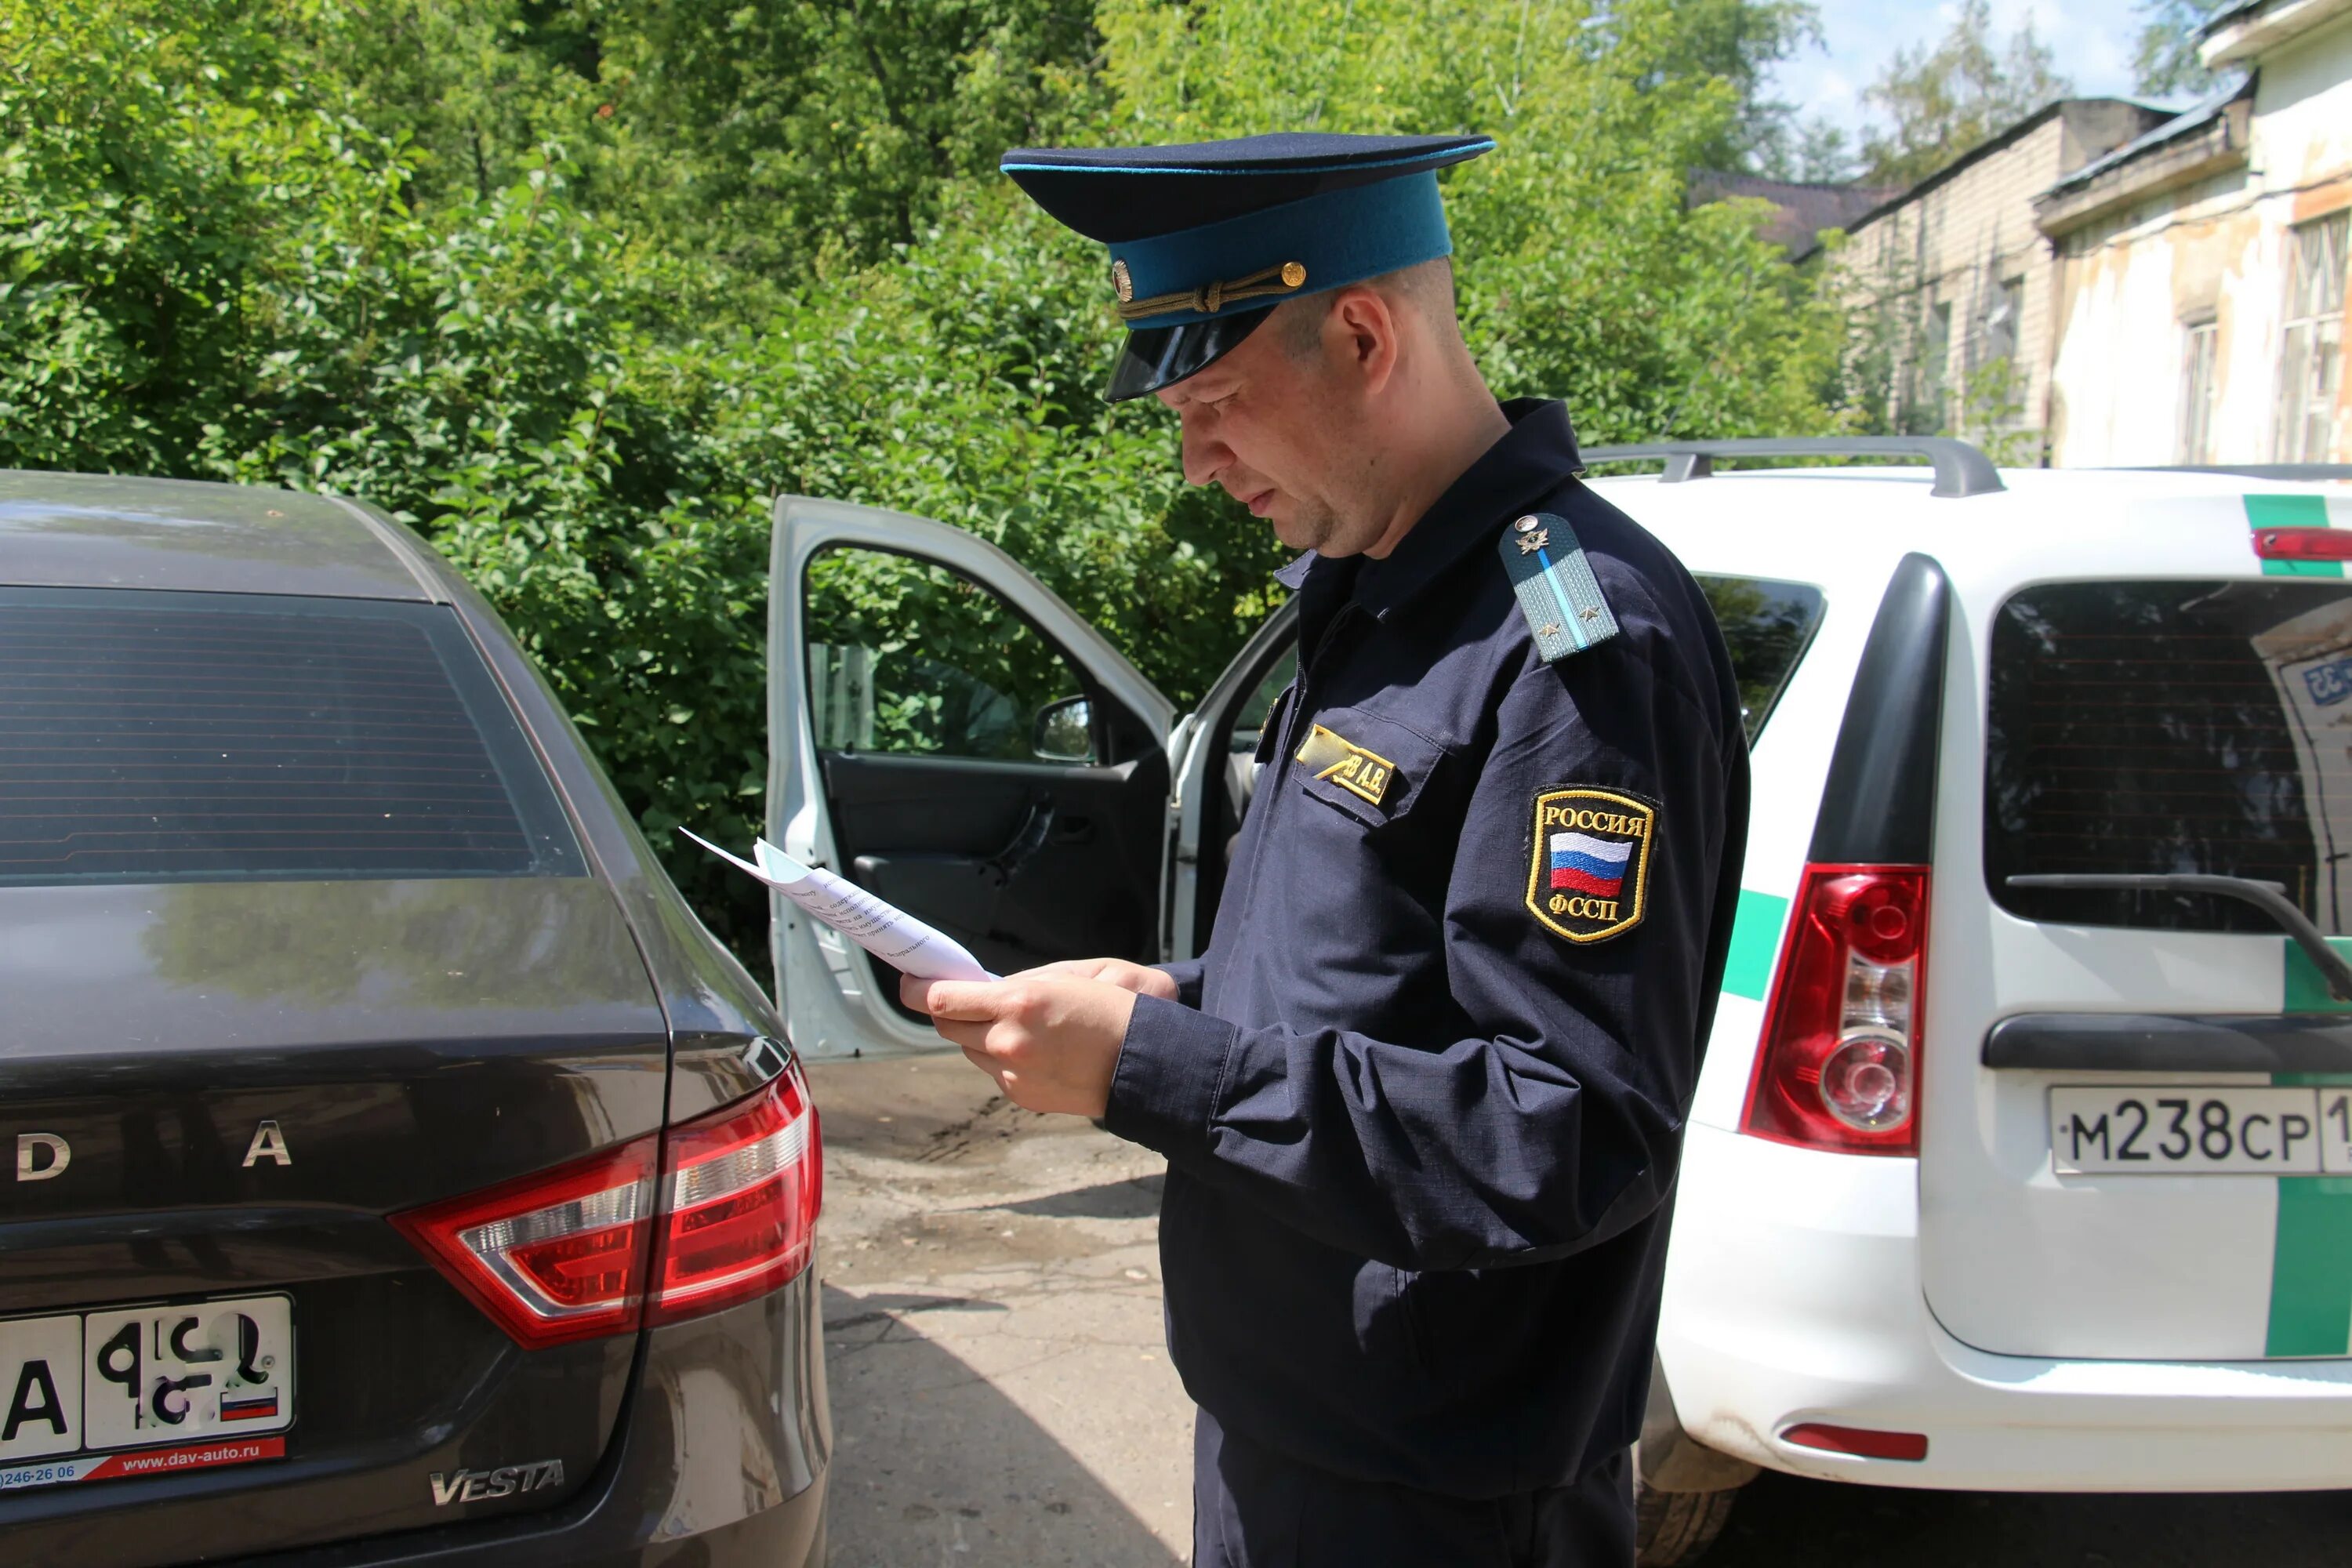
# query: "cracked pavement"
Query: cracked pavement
1001,1389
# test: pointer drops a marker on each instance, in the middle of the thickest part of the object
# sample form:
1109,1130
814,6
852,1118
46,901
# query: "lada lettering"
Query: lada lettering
41,1155
507,1480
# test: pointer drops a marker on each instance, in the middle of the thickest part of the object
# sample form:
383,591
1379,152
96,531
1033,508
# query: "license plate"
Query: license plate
2130,1130
182,1387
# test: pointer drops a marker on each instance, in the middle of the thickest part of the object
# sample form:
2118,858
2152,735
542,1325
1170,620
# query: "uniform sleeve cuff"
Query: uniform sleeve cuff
1171,1066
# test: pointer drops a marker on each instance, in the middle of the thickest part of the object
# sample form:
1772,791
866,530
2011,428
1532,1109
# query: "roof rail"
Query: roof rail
1961,469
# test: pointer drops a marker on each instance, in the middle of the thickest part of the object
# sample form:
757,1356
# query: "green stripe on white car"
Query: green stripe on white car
2311,1259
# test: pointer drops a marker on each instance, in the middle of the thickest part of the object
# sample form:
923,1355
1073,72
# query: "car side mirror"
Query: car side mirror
1065,731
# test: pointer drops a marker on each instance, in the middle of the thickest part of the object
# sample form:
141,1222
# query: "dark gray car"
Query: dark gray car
392,1168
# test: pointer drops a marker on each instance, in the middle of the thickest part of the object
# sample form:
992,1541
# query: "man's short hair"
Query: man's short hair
1426,286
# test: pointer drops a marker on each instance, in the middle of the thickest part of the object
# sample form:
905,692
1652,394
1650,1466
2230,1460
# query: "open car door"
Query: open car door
948,734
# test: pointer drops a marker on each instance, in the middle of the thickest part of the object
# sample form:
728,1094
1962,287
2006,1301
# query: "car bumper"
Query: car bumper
1793,1295
718,1462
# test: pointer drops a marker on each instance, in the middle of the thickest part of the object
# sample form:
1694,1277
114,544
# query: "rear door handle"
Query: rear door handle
2267,896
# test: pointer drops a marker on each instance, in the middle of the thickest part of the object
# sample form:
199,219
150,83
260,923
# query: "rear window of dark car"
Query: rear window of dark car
1768,626
2171,727
201,737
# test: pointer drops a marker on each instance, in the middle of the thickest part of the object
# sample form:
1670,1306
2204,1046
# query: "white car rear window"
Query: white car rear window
2173,727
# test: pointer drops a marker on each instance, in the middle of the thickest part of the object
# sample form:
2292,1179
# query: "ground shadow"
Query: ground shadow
933,1465
1781,1521
875,1307
1136,1199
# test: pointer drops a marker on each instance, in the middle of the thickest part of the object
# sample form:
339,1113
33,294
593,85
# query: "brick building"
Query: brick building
1963,283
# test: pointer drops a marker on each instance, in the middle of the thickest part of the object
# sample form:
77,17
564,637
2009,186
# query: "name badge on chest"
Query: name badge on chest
1332,756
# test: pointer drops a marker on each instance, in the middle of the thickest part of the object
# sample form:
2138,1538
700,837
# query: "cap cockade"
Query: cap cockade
1207,238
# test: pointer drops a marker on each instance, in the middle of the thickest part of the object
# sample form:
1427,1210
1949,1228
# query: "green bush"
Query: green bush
577,288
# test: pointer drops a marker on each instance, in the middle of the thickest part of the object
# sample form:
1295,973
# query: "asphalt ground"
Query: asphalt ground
1002,1396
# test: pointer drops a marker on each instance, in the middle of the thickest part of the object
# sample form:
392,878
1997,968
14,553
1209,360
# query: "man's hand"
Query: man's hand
1050,1041
1136,977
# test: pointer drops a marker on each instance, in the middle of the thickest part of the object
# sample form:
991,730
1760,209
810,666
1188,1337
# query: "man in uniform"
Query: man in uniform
1422,1099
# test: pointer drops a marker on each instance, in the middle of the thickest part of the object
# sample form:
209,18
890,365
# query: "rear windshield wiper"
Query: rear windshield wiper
2267,896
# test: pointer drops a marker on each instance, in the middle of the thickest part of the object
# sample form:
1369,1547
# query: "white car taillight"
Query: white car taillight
1839,1064
568,1254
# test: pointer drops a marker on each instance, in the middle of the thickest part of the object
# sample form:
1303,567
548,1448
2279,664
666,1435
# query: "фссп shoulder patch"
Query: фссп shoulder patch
1591,876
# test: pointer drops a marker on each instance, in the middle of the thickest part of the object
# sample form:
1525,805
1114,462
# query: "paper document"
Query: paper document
884,929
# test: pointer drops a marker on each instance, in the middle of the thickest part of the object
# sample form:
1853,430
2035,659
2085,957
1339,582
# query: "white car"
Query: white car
2021,1158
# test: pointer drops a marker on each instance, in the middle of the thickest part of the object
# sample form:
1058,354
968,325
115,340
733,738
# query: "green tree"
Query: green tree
1583,271
1936,102
2165,59
1809,149
764,137
575,289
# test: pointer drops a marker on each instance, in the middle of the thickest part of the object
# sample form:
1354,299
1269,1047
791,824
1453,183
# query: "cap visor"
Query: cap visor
1155,357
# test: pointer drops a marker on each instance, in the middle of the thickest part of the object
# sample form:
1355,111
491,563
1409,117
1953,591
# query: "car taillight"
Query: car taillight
2303,544
599,1247
741,1192
557,1256
1839,1065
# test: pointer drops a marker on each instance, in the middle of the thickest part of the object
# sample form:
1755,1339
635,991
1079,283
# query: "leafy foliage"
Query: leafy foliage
1584,273
2165,59
1941,102
576,287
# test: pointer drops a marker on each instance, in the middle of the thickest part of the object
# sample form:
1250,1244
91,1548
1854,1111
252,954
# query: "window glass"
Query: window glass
1249,724
151,737
1923,411
1767,625
2171,727
907,655
2004,320
2196,391
2312,363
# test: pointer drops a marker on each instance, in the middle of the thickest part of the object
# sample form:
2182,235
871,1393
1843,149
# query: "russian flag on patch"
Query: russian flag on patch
1583,864
251,1407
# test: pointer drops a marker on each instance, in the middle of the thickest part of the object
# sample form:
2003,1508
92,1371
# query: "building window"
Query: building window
2004,319
2197,390
1923,407
2312,366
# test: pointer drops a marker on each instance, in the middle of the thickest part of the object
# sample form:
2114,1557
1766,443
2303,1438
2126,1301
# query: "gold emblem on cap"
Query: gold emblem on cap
1209,299
1531,542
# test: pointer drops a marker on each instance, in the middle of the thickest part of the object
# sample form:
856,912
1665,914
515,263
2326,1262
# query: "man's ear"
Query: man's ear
1361,331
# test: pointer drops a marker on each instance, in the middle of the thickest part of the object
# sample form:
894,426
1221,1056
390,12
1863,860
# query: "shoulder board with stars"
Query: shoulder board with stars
1556,590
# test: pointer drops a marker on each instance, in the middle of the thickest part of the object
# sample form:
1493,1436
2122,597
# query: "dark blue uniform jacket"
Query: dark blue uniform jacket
1421,1147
